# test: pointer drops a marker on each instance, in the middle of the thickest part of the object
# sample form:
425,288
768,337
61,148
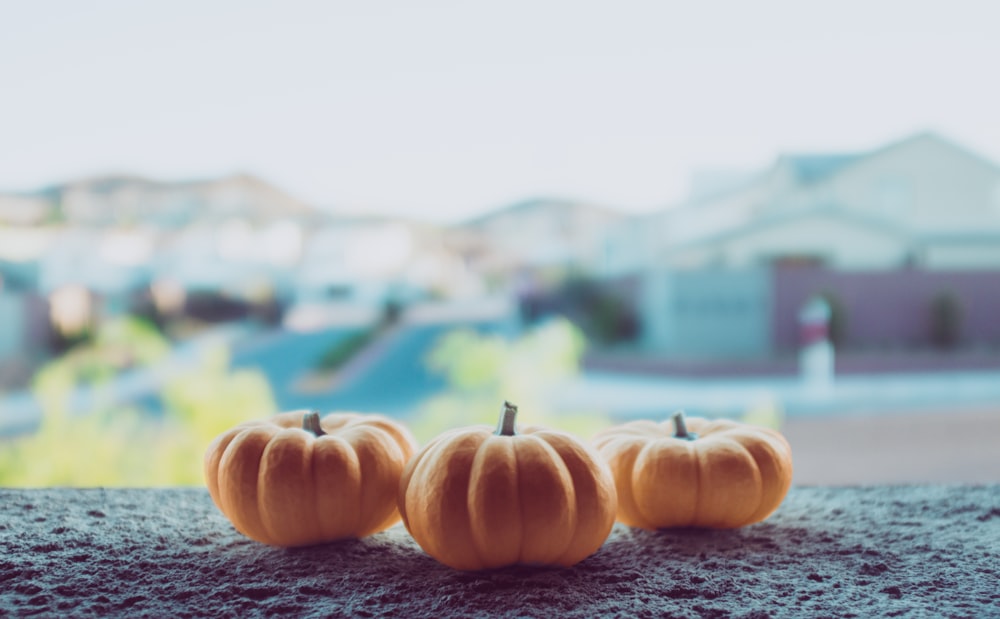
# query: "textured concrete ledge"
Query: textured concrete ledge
926,551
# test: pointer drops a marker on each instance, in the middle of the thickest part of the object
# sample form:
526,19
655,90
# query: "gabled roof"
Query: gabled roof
810,168
848,216
814,167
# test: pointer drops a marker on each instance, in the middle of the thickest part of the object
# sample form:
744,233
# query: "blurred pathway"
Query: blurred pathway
392,378
285,356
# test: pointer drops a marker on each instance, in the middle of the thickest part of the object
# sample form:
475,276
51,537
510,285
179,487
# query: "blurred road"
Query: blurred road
284,356
390,377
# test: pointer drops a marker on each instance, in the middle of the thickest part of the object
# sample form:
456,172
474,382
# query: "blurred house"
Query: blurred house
368,261
95,245
109,263
24,210
724,274
234,256
24,324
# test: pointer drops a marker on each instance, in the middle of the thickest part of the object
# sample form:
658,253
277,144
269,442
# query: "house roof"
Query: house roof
849,216
814,167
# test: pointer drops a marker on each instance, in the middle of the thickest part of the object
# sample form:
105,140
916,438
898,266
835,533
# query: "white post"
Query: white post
816,357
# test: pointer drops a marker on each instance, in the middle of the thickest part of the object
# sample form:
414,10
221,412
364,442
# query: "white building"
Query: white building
922,201
24,210
708,286
538,237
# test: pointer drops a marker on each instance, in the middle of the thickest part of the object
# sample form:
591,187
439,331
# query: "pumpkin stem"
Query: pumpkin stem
310,423
507,418
680,428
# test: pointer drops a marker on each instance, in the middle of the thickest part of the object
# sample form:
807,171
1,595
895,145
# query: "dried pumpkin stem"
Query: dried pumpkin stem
680,428
507,419
310,423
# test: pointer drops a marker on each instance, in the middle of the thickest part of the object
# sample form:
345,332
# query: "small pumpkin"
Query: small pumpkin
476,499
296,479
695,472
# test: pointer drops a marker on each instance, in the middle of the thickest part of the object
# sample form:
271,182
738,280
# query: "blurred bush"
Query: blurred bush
946,320
344,350
484,370
124,446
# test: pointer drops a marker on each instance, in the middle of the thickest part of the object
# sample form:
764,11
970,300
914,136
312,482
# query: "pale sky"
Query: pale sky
446,109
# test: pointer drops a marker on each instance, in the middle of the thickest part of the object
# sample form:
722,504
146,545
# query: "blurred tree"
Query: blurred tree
766,412
605,315
269,310
203,403
484,370
214,307
946,320
122,446
142,305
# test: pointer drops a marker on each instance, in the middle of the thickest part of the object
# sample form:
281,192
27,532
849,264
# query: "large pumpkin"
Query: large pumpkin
295,479
475,498
695,472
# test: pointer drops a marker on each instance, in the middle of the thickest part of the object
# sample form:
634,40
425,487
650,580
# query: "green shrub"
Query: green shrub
341,352
120,445
483,370
946,320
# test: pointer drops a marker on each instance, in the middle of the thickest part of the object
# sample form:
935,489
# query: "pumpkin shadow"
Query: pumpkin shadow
692,542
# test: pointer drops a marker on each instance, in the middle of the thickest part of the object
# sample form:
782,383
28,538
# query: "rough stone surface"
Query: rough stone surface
917,551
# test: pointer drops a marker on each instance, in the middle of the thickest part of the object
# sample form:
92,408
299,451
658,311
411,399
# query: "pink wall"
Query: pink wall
888,308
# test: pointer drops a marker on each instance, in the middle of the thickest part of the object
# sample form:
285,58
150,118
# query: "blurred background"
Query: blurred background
781,212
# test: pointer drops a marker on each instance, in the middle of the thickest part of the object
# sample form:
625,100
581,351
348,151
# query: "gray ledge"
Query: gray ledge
911,551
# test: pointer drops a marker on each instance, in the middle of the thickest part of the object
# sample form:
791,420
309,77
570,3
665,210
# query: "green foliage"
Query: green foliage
767,413
109,447
603,314
120,446
946,320
204,402
484,370
338,354
118,345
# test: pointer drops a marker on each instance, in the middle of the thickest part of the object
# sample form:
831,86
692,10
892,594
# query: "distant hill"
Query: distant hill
533,208
537,233
127,199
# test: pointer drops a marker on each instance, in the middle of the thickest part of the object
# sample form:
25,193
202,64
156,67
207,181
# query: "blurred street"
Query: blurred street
390,376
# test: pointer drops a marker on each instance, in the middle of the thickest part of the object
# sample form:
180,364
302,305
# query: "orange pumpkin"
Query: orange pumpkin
478,499
295,480
695,472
